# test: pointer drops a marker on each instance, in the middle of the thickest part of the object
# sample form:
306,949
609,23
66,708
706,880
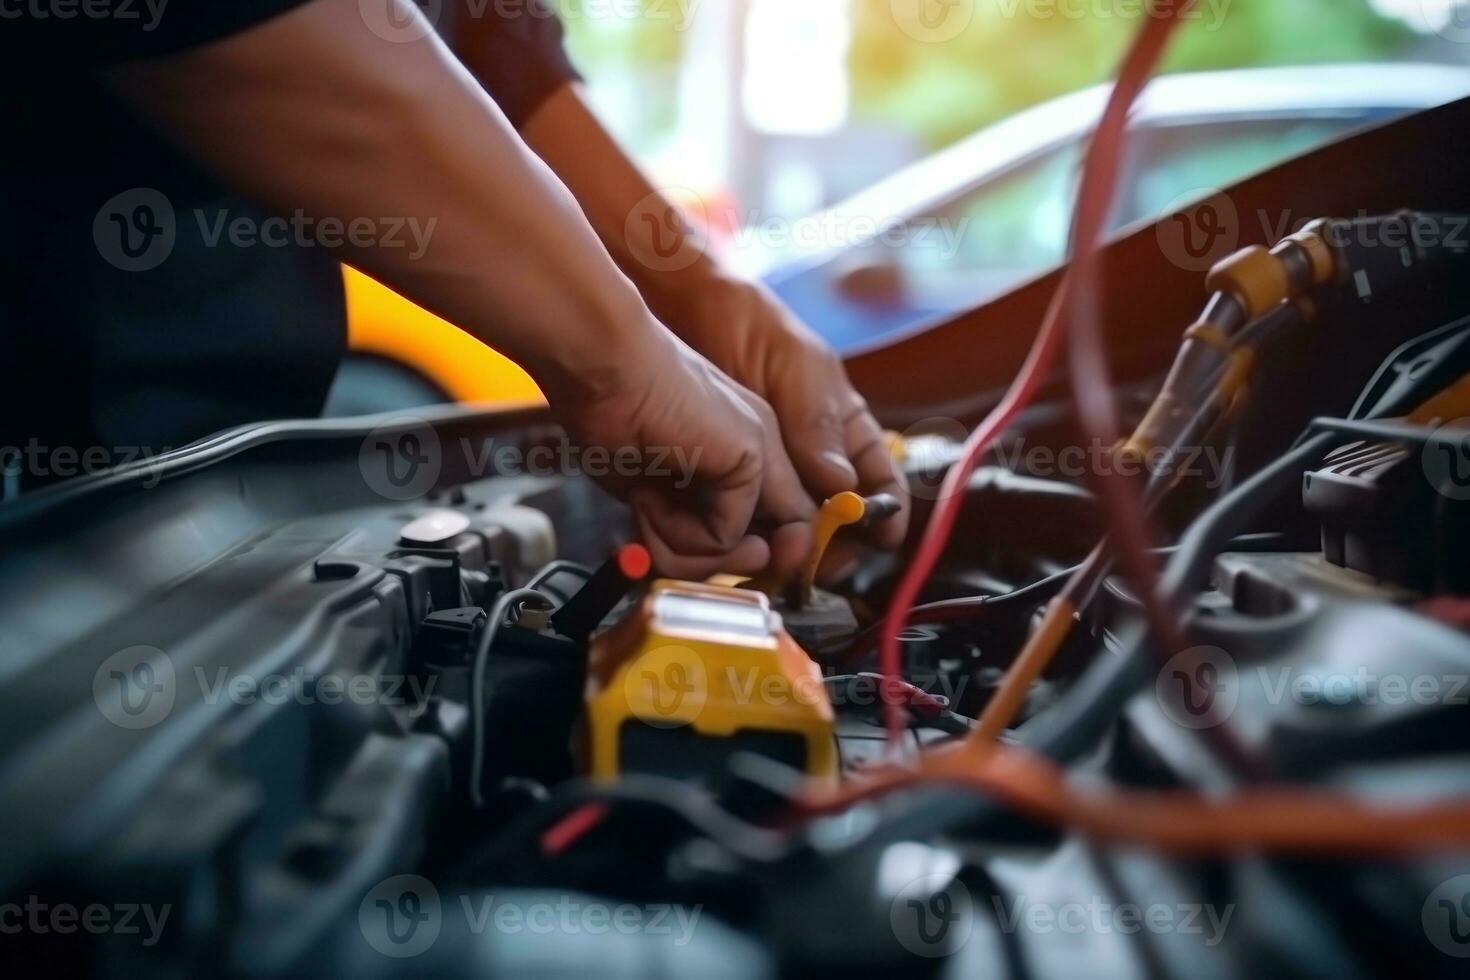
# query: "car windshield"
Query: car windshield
1011,227
882,164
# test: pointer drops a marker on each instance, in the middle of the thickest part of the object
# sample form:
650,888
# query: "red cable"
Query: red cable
573,827
1099,181
1091,383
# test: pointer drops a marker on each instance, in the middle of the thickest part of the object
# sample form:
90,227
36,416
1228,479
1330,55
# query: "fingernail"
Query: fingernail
839,461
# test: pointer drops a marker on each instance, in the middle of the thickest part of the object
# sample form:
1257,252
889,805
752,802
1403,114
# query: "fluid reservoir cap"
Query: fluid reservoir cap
434,528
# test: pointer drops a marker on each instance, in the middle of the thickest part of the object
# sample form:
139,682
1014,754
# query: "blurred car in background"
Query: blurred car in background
951,231
991,212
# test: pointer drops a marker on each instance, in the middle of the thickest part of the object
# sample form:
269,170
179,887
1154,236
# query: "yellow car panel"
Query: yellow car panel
383,324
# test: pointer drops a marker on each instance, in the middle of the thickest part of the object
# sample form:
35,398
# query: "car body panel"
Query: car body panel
384,325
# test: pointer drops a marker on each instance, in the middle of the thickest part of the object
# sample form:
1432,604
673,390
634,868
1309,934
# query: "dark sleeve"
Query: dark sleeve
133,29
513,49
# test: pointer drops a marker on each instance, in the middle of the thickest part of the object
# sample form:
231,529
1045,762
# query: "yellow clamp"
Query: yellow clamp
1319,253
1255,277
837,512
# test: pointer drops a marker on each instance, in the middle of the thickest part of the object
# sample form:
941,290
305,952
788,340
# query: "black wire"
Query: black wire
1062,733
1082,716
1391,432
1252,336
697,810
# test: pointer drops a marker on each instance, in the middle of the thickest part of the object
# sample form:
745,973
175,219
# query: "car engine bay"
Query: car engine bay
402,696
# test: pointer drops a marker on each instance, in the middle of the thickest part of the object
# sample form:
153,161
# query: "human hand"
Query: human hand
833,440
724,469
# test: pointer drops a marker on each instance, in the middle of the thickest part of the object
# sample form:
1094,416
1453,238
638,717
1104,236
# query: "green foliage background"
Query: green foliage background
1001,64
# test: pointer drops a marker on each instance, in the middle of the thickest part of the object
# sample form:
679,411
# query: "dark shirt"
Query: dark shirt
514,49
127,324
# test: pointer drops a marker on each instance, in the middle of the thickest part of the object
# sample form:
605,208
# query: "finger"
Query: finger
783,498
714,525
789,545
748,557
878,473
811,425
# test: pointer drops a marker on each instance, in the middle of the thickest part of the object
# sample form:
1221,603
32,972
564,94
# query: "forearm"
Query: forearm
326,117
643,228
741,326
